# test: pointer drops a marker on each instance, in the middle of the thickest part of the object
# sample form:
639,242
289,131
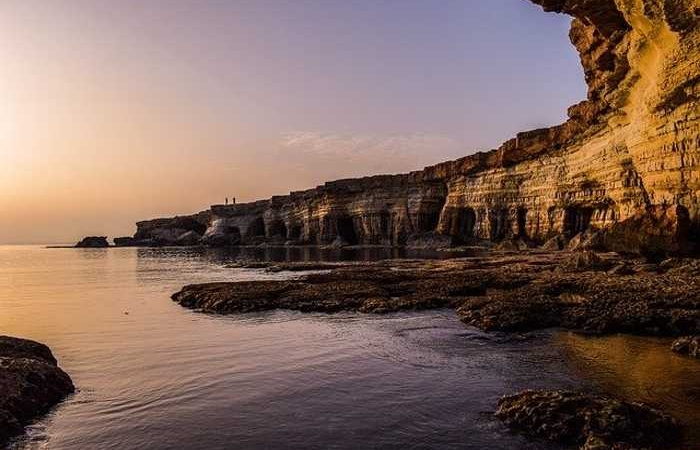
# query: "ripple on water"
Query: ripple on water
163,377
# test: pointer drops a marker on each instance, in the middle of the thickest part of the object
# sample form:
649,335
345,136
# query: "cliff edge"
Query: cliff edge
623,172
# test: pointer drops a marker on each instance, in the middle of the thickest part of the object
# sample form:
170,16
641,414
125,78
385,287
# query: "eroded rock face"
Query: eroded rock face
627,162
30,382
588,422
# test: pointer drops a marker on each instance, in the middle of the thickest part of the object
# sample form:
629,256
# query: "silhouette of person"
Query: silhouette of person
227,200
234,200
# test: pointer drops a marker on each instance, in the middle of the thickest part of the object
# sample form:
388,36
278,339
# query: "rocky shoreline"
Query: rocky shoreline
514,293
31,383
582,291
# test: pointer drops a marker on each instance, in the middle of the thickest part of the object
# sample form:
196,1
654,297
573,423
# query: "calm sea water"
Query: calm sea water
153,375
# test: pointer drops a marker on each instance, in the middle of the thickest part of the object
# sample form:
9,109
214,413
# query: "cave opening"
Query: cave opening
522,222
429,214
346,230
256,228
277,228
428,220
497,224
294,232
384,224
576,220
462,222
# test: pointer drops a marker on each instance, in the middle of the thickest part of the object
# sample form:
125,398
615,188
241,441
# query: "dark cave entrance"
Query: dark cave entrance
428,221
294,232
522,222
462,223
497,224
576,220
429,215
256,228
277,228
346,230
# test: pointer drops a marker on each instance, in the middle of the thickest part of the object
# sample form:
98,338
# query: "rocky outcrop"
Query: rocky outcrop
626,164
588,422
93,242
180,230
31,383
687,345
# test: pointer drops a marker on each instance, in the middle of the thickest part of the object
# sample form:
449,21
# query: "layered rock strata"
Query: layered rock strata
31,383
627,162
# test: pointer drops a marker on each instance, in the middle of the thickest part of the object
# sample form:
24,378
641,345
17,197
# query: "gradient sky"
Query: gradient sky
116,111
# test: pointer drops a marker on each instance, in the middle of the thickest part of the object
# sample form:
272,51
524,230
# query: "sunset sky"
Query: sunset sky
117,111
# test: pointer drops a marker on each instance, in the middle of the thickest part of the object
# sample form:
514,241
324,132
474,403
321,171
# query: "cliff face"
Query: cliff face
627,162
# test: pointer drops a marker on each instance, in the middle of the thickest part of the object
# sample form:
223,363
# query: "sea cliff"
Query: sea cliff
624,170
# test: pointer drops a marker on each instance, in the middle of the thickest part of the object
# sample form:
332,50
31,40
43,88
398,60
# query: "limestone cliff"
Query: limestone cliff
627,162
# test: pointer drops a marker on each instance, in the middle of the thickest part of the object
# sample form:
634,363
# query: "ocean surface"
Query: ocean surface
152,375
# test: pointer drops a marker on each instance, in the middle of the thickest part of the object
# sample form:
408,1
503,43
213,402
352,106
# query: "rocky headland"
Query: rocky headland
622,174
31,384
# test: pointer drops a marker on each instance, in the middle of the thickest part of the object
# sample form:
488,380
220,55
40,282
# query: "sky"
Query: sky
117,111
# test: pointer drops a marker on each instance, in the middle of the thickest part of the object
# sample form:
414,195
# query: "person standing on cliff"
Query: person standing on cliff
227,200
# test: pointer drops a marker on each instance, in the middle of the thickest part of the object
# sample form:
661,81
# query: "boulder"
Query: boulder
554,244
654,233
31,383
93,242
590,422
586,260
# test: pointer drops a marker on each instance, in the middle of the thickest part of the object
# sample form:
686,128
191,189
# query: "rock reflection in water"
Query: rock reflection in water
640,369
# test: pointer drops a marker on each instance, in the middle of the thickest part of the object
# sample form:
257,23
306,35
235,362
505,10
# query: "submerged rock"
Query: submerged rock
30,382
590,422
93,242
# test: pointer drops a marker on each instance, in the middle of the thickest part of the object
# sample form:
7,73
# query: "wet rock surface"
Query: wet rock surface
588,422
31,383
595,293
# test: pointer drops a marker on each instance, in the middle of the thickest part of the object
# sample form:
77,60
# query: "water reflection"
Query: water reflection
641,369
296,254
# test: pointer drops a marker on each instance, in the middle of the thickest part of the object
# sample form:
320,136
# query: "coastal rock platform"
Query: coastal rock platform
586,291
